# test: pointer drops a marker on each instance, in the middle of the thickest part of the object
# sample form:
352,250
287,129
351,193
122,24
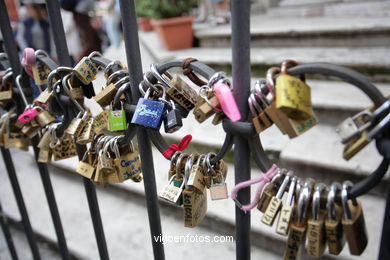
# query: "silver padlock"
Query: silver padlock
353,126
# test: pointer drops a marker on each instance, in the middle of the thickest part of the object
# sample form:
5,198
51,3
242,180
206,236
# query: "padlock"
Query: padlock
149,113
260,119
44,142
333,227
105,162
128,163
269,191
172,120
351,127
353,222
207,109
86,70
297,235
195,178
64,148
45,96
117,119
276,202
173,190
316,238
40,73
6,92
219,190
100,121
86,166
283,225
44,118
77,124
29,115
194,206
182,93
225,97
106,96
293,95
87,133
44,156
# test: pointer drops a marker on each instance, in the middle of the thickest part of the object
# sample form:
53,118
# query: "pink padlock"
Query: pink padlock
227,101
28,115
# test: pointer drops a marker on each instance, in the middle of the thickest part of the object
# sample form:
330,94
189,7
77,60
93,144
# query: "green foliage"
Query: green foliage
161,9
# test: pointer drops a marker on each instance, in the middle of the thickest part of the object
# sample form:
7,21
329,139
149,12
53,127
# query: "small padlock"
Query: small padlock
172,120
106,96
276,202
351,127
44,118
316,238
333,227
87,133
283,225
353,222
225,97
195,178
29,115
207,109
86,70
260,119
85,167
100,121
293,95
105,162
77,124
45,96
149,113
117,119
269,191
173,190
297,235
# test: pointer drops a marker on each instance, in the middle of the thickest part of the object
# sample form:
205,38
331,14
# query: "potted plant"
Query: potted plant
143,10
172,23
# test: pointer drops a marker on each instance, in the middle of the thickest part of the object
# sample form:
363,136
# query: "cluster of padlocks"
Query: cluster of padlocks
47,102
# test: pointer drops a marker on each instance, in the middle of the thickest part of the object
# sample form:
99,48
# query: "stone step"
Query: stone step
366,60
285,32
331,9
115,203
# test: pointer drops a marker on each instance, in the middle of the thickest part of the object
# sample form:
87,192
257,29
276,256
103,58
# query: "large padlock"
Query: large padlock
86,70
149,113
194,206
293,95
128,164
353,222
44,118
182,93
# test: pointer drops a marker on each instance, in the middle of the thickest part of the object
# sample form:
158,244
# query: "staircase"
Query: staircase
335,35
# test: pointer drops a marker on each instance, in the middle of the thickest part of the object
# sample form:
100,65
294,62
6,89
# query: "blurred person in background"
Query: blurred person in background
111,20
82,11
33,29
214,12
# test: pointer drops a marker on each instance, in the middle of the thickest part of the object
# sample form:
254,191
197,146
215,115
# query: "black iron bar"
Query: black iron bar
7,235
241,70
384,252
43,170
130,31
58,32
20,202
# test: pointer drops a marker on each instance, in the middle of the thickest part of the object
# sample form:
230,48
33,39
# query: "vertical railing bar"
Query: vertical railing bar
51,201
7,235
43,170
241,70
384,251
10,47
58,32
130,31
20,202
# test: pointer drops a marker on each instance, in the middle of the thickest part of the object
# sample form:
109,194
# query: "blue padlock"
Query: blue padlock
149,113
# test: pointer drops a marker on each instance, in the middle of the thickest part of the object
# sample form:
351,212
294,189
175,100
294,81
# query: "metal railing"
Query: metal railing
241,70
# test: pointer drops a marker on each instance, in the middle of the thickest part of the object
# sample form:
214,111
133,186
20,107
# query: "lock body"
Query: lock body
149,113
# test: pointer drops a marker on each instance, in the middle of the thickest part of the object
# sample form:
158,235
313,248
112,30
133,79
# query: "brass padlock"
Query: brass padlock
44,156
207,109
353,222
101,121
40,73
171,192
106,96
269,191
86,70
316,238
297,235
276,202
333,227
77,124
260,119
283,225
87,133
195,178
86,166
194,206
128,164
182,93
45,96
63,148
44,118
292,95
